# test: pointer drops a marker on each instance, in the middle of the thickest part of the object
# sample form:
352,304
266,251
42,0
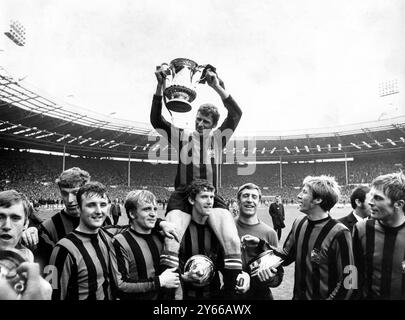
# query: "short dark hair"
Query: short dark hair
359,193
249,186
72,178
197,186
93,187
11,197
208,109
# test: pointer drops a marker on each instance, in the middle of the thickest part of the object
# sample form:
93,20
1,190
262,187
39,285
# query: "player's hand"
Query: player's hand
242,282
193,275
169,230
213,80
161,72
37,288
266,274
30,237
249,241
169,279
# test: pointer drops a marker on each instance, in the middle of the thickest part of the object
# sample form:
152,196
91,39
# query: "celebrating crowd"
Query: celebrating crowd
200,250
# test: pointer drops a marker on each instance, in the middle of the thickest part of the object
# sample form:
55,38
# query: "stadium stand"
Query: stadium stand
34,174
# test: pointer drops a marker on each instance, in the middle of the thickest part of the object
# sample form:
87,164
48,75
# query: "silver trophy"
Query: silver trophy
9,262
182,76
203,267
265,260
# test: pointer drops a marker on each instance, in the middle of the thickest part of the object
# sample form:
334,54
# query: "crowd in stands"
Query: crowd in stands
34,174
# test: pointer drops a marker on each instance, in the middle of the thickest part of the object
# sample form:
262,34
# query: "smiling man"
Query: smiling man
82,258
137,251
199,157
379,243
256,237
320,246
200,239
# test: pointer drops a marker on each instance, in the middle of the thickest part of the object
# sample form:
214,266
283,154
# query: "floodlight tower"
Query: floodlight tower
389,93
16,33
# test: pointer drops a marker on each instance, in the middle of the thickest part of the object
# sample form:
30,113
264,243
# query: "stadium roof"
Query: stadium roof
31,121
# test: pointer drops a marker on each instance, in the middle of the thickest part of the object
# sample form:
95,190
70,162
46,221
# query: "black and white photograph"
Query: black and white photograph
197,157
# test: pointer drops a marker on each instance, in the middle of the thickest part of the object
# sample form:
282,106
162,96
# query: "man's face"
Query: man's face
278,199
365,206
69,199
12,223
203,122
248,202
145,215
305,200
93,211
203,203
381,206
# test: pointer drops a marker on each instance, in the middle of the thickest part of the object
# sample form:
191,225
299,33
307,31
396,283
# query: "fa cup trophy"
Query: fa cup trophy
182,76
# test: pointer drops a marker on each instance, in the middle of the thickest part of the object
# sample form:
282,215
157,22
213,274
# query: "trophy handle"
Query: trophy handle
201,74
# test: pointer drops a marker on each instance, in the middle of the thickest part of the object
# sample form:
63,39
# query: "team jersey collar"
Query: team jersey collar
319,221
388,229
143,235
87,235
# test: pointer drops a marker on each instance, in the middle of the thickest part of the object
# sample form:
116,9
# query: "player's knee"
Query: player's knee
180,219
222,214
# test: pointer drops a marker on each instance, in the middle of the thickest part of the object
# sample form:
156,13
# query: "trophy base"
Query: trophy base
178,105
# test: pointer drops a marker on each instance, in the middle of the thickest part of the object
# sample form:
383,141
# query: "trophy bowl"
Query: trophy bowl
181,80
203,266
265,260
9,262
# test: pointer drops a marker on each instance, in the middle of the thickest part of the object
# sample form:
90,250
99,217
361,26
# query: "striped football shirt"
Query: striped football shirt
199,155
200,239
321,250
50,232
83,265
380,259
135,264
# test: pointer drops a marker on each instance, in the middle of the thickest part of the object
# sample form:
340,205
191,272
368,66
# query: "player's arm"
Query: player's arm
62,260
156,118
170,132
288,252
120,266
358,254
343,252
234,111
168,229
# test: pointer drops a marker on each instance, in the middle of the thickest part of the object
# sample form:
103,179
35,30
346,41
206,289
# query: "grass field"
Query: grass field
285,290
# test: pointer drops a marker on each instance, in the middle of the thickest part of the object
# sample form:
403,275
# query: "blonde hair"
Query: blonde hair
135,197
325,188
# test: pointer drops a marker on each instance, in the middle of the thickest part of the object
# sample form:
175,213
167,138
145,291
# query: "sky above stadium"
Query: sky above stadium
290,64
